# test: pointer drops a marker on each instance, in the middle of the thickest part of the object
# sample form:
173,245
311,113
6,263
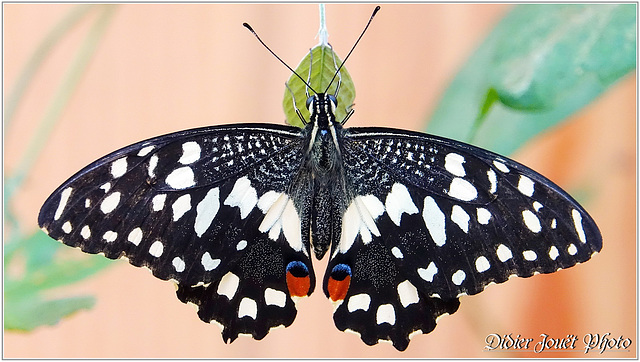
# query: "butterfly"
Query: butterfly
234,214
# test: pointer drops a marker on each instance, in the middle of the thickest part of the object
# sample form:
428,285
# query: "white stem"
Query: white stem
323,33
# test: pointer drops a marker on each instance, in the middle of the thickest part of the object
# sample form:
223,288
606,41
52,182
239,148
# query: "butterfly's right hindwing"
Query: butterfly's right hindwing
209,208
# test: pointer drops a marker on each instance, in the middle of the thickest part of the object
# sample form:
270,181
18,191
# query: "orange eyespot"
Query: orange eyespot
338,283
298,280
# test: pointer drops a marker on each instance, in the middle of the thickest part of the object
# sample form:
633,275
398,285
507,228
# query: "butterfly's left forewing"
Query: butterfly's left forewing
211,208
432,219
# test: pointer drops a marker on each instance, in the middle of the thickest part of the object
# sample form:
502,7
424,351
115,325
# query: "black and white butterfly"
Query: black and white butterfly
233,215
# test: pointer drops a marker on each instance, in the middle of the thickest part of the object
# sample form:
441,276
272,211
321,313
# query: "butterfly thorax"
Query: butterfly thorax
324,165
324,149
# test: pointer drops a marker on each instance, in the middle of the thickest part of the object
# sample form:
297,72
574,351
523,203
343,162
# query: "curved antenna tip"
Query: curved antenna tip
353,47
275,55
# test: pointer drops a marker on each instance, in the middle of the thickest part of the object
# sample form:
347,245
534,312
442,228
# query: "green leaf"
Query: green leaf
542,63
325,64
45,266
35,265
30,311
39,249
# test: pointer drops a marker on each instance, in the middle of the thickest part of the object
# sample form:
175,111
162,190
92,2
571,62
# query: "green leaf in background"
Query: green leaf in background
322,71
30,311
36,266
539,65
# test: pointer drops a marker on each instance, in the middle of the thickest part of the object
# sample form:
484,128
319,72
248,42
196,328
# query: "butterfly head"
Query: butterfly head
323,150
322,107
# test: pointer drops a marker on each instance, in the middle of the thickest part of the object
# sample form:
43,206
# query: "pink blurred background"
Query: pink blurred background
164,68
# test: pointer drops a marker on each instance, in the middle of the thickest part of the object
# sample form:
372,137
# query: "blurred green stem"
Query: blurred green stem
63,94
39,55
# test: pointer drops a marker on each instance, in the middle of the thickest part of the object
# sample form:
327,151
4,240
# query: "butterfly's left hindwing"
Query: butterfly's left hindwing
432,219
211,208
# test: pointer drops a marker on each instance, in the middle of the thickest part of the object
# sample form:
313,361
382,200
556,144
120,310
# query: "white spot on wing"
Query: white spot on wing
135,236
429,273
158,202
66,227
370,208
504,253
417,332
482,264
181,206
85,232
501,166
110,202
460,217
529,255
408,293
434,220
228,285
272,205
64,197
483,216
553,253
153,162
577,222
267,200
206,211
458,277
275,297
462,190
493,180
399,201
396,252
359,218
241,245
531,221
453,163
291,227
247,308
119,167
386,314
208,262
156,248
525,185
537,206
243,195
190,153
350,228
145,151
178,264
110,236
572,250
280,215
359,301
106,187
181,178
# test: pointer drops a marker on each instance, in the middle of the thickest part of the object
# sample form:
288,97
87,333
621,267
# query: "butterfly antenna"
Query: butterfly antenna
352,48
277,57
